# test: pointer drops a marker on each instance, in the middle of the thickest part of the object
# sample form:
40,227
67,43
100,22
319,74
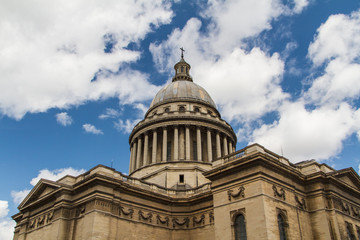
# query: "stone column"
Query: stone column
138,155
230,147
198,143
146,149
164,146
187,142
154,146
176,143
131,157
209,145
225,145
218,146
133,164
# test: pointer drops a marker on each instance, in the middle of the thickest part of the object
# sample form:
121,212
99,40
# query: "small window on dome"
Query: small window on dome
209,112
167,110
181,109
187,70
154,113
182,69
196,109
181,178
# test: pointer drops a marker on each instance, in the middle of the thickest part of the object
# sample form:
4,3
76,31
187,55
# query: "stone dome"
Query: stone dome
182,91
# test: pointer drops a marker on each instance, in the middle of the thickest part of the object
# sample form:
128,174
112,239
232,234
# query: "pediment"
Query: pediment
349,176
42,189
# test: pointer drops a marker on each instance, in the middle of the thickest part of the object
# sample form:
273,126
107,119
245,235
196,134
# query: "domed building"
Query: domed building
180,136
187,181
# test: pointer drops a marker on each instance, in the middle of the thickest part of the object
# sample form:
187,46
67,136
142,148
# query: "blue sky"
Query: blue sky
76,77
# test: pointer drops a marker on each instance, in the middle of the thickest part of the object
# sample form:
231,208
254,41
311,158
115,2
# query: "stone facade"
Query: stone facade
187,181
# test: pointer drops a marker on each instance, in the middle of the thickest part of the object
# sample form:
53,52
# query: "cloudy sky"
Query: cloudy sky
75,76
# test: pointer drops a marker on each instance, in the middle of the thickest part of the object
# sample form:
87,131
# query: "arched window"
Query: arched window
239,227
196,109
181,109
282,227
349,231
167,110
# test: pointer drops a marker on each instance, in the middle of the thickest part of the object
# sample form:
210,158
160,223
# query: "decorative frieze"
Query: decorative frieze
355,212
147,217
239,193
159,221
197,222
40,220
184,222
345,208
279,193
80,210
300,203
211,217
128,213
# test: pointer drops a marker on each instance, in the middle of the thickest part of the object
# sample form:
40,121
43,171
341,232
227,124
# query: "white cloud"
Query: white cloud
245,85
56,174
44,68
300,5
3,208
64,119
326,114
126,126
337,45
6,224
92,129
306,134
338,37
110,113
240,89
19,196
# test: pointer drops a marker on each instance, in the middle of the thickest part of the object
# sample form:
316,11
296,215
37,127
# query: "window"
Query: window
349,231
282,225
181,109
358,231
181,178
194,150
196,109
209,112
182,69
239,226
167,110
168,157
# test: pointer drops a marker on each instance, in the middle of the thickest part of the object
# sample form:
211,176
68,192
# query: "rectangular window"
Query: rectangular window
194,150
349,230
168,157
181,178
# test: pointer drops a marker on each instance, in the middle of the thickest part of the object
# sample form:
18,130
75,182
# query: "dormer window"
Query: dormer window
167,110
196,109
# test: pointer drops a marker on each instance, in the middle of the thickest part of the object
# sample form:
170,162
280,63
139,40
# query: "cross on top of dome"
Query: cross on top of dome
182,69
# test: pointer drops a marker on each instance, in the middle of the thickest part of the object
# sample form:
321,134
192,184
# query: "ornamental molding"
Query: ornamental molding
279,193
201,220
300,203
239,193
147,217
